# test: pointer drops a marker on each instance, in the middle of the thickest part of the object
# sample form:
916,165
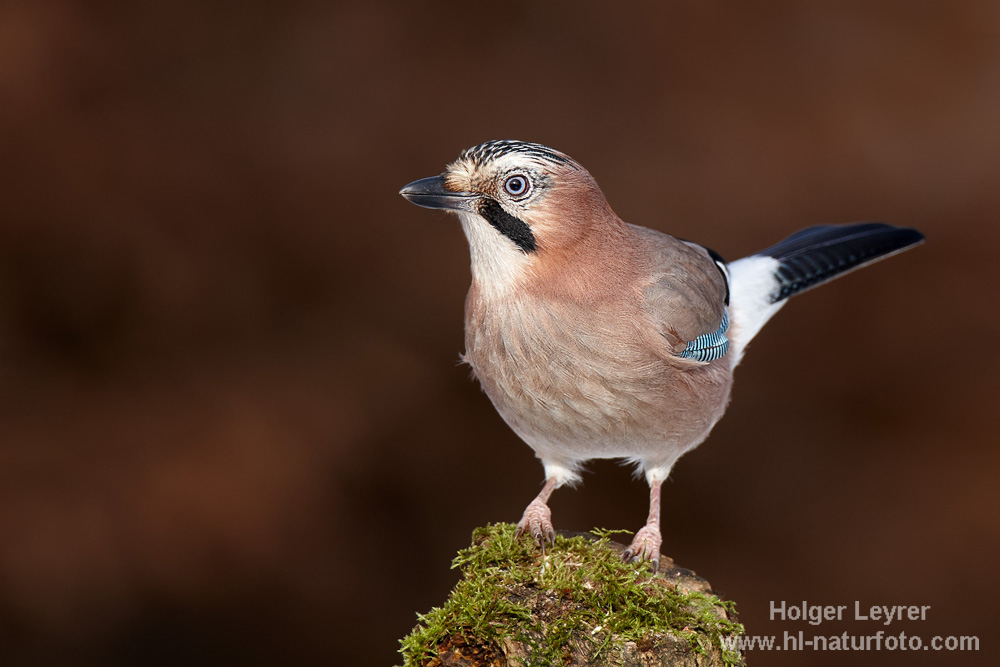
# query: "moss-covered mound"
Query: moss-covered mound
578,604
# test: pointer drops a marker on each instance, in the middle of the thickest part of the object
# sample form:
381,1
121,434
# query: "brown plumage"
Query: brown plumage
595,338
581,360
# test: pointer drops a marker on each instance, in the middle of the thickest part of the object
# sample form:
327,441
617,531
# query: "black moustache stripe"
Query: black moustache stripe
513,228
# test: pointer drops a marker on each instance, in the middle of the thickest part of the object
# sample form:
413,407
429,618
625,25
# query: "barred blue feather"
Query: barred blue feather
710,346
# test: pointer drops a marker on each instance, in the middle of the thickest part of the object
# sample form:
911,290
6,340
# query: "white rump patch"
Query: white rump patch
753,285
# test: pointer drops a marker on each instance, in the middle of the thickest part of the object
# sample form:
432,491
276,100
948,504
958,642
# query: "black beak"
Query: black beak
430,193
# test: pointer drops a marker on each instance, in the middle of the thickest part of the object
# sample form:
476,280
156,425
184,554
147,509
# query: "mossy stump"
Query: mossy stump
579,604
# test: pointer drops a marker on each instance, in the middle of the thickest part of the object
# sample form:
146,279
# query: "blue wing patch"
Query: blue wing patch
710,346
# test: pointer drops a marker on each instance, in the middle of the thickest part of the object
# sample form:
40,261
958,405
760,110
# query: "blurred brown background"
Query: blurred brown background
233,429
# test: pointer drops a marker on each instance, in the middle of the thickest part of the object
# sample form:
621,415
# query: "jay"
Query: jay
595,338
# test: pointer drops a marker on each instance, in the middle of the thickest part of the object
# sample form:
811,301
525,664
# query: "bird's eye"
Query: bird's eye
517,185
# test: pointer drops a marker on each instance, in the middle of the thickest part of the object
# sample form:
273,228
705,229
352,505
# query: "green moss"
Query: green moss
580,592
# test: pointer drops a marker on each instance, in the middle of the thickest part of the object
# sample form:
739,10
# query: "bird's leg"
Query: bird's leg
537,518
646,543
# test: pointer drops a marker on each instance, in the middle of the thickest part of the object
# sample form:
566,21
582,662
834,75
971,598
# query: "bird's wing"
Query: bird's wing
686,295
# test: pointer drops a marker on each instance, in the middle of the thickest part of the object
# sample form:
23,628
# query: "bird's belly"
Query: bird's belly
571,402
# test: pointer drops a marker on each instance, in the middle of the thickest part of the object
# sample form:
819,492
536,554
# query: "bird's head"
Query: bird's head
522,205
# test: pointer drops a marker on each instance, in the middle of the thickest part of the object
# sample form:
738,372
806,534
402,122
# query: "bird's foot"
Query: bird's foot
537,521
645,546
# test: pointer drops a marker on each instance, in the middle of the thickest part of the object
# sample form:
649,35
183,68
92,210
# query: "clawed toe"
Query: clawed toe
645,547
537,522
630,556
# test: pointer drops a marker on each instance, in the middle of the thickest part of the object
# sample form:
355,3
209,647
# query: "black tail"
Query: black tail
815,255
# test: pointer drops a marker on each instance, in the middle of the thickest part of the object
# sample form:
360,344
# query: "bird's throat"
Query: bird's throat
498,265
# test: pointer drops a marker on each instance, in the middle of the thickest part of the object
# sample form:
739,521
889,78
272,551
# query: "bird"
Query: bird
599,339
